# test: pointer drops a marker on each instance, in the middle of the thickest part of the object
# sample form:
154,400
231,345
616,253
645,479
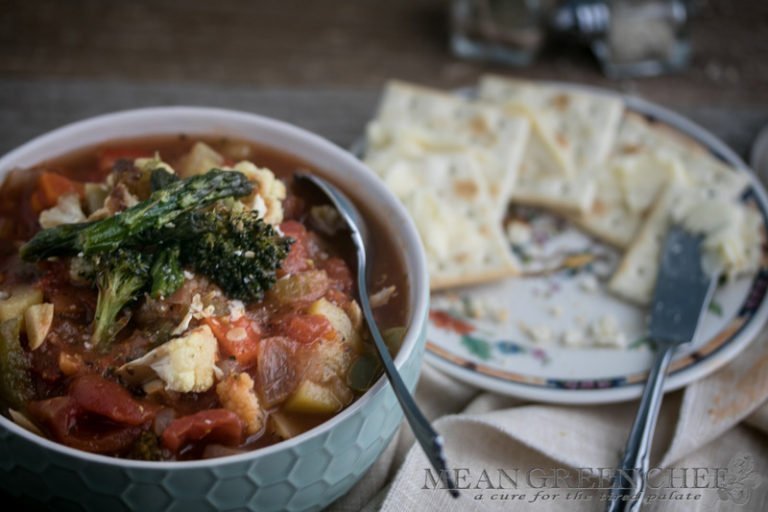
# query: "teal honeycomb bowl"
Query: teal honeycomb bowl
307,472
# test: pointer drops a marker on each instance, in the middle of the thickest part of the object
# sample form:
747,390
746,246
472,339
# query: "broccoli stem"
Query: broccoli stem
126,228
167,274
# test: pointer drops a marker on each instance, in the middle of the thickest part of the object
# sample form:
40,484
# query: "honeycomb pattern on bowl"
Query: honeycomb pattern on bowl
306,476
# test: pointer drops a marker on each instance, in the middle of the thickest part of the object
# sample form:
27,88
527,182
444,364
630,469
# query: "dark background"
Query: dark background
320,63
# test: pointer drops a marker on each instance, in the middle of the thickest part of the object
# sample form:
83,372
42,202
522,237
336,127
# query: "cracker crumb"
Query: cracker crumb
573,338
605,332
519,233
555,311
536,333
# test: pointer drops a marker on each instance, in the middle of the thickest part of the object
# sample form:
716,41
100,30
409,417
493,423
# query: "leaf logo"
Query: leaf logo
740,480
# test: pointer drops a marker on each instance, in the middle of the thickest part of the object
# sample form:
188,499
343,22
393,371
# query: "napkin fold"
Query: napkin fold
716,428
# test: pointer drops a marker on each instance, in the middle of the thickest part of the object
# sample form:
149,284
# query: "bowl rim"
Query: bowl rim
415,259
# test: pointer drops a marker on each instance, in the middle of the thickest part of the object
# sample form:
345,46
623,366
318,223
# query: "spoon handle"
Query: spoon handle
431,442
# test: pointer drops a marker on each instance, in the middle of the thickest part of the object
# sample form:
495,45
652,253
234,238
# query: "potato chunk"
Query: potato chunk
340,322
38,319
20,299
314,398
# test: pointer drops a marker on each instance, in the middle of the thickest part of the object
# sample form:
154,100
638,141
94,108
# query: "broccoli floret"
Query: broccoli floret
167,274
146,447
234,248
135,225
120,276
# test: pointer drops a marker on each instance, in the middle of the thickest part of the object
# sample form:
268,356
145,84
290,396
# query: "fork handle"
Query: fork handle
629,482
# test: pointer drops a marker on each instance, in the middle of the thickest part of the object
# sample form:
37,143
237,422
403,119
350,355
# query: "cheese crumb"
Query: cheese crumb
519,233
196,310
588,283
573,338
536,333
605,332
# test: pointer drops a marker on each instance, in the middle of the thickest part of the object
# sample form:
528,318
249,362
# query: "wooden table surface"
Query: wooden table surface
321,64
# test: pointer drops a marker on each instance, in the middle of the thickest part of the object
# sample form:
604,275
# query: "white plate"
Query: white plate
492,351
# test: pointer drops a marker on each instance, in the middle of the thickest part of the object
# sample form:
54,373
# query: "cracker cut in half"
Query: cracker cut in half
417,121
572,132
447,196
733,246
644,159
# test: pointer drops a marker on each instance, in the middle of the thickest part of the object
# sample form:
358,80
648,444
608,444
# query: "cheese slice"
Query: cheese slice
418,121
447,196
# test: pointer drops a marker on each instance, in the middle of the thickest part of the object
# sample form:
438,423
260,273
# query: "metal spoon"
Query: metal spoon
431,442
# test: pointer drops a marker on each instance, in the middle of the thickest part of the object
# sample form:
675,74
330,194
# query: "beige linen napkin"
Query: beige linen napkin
716,428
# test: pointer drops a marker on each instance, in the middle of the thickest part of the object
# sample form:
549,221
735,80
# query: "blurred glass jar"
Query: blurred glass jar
629,37
506,31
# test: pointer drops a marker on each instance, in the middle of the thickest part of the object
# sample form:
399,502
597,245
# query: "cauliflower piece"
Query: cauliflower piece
150,164
268,197
237,394
66,211
185,364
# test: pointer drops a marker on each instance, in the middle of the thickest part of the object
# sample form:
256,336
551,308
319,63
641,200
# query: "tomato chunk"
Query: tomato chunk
298,257
339,274
100,396
214,425
65,420
308,328
239,339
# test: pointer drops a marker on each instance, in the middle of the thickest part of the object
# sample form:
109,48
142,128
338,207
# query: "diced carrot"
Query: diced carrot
108,157
50,186
239,339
